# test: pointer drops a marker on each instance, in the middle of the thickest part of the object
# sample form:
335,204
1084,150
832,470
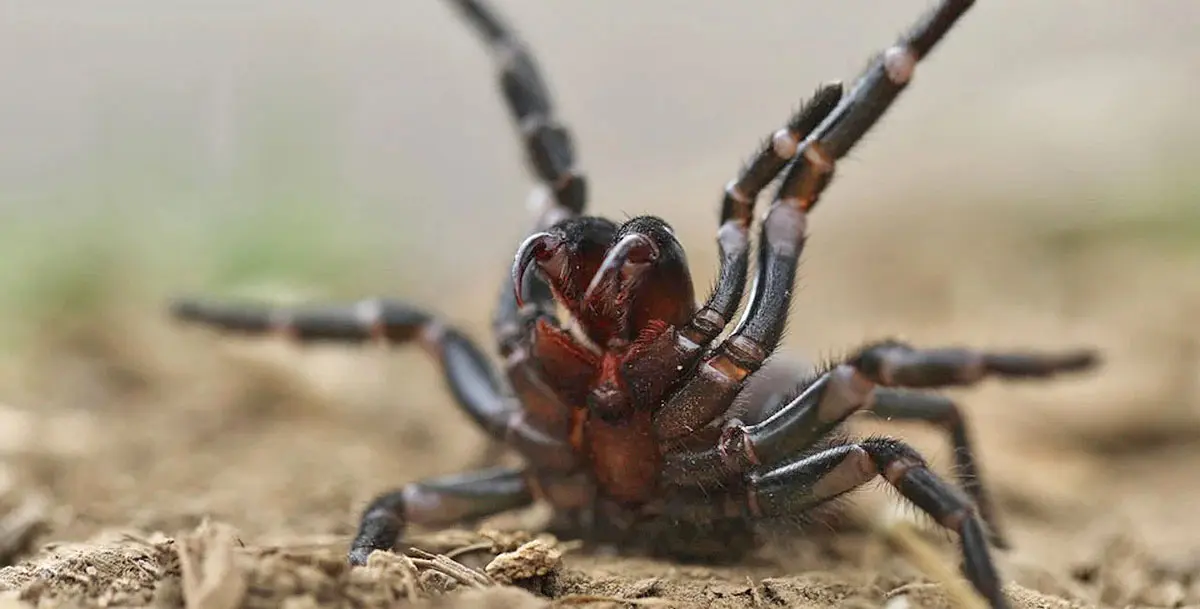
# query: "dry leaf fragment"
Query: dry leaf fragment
211,577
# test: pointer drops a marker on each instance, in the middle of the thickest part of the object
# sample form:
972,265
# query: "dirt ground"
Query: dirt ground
146,464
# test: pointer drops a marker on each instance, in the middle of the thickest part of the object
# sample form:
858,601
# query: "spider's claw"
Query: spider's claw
634,250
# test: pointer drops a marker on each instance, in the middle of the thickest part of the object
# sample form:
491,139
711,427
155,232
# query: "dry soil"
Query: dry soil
148,464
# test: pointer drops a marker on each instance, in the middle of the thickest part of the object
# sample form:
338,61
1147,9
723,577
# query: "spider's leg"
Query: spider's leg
874,92
720,376
532,327
737,213
662,361
806,483
941,411
896,364
466,370
549,150
437,502
711,388
827,401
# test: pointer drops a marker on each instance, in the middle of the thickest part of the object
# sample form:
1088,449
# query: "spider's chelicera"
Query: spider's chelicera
626,421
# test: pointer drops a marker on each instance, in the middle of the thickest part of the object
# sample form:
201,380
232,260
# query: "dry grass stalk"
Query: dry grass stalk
925,557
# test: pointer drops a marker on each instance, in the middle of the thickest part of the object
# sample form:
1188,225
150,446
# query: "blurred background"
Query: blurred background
1033,188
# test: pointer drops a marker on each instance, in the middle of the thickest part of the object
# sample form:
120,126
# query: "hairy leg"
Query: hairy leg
887,403
809,482
737,213
707,394
672,356
832,397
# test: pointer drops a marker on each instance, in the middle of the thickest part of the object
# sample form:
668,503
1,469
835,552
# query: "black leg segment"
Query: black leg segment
437,502
941,411
877,88
548,147
466,369
804,484
895,364
464,366
737,211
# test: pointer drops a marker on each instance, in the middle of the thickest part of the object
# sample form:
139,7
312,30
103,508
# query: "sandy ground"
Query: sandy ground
151,464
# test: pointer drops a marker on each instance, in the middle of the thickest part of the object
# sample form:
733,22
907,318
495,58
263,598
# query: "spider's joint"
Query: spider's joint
723,369
281,321
736,193
686,342
369,314
818,157
895,471
506,54
431,337
784,143
899,63
848,390
855,469
736,449
711,320
532,123
746,352
786,225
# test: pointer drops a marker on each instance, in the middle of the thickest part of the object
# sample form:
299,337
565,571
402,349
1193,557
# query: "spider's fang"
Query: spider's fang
534,248
633,248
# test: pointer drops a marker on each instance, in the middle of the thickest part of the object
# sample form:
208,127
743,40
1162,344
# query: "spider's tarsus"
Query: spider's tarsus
896,364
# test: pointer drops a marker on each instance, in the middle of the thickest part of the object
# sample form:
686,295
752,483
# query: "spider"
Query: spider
635,423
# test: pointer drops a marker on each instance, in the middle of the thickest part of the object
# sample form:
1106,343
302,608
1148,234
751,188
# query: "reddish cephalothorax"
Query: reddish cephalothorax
638,424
